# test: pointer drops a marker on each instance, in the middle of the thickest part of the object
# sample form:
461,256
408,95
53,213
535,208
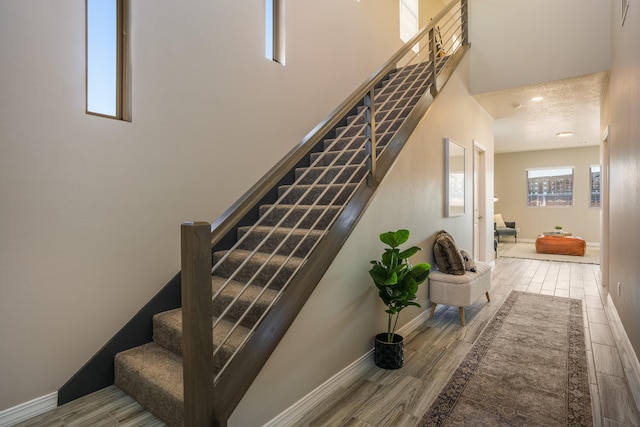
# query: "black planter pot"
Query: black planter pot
389,355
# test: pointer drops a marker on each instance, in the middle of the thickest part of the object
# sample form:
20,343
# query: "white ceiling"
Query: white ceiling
559,50
568,105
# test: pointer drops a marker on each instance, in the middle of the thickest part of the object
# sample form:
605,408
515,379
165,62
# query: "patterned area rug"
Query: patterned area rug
528,367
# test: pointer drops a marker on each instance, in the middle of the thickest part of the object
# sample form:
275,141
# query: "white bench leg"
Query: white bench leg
461,315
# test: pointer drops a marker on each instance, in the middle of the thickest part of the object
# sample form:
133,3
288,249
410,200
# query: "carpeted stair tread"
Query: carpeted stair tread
317,217
167,332
382,113
330,174
353,130
260,297
384,126
260,269
336,145
269,238
338,158
152,375
322,194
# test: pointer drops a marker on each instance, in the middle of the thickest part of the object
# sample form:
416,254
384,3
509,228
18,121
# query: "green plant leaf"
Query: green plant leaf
420,272
408,253
395,238
401,236
392,279
388,238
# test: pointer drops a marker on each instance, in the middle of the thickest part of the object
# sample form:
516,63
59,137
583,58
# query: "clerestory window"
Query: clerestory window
274,30
409,21
106,67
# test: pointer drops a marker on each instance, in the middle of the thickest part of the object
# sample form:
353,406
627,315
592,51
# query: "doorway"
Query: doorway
604,213
479,202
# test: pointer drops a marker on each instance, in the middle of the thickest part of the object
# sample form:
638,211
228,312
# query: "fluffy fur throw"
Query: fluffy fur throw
447,255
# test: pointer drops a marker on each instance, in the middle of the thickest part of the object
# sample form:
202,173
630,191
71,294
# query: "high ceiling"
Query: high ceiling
559,50
567,105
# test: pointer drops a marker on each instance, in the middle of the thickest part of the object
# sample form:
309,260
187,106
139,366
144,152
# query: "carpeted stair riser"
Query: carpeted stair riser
419,82
394,114
343,158
391,97
336,194
260,269
257,297
411,72
356,130
167,332
354,143
329,175
396,100
300,241
344,131
153,376
339,144
317,218
419,76
406,81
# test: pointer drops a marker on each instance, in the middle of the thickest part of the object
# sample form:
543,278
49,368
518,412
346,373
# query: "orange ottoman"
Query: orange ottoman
561,245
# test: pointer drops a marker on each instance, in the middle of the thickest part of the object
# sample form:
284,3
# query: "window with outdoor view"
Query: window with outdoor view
594,180
550,187
106,58
274,30
409,20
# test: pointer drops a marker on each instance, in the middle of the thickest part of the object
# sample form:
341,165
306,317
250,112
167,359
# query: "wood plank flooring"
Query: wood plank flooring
432,353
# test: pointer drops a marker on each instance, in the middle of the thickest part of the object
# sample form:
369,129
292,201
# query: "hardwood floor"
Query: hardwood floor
432,353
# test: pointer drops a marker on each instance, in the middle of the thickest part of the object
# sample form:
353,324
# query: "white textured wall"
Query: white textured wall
91,207
338,323
517,43
622,111
511,189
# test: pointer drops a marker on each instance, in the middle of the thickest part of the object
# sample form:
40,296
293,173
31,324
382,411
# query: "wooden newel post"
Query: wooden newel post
197,344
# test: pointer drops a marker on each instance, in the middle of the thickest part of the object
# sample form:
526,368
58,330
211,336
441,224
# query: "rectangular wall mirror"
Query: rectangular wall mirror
454,176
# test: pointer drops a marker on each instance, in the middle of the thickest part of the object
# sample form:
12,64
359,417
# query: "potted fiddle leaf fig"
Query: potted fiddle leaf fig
397,282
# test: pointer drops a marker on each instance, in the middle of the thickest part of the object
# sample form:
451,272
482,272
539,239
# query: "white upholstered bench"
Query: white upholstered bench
459,291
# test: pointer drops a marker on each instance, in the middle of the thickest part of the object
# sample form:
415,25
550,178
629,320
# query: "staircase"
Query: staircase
250,277
272,247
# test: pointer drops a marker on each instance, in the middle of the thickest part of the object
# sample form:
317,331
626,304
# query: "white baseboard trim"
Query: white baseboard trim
630,363
295,412
29,409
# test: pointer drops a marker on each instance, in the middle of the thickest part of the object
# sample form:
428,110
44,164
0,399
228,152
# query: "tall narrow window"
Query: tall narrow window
408,20
274,30
106,53
550,187
594,180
